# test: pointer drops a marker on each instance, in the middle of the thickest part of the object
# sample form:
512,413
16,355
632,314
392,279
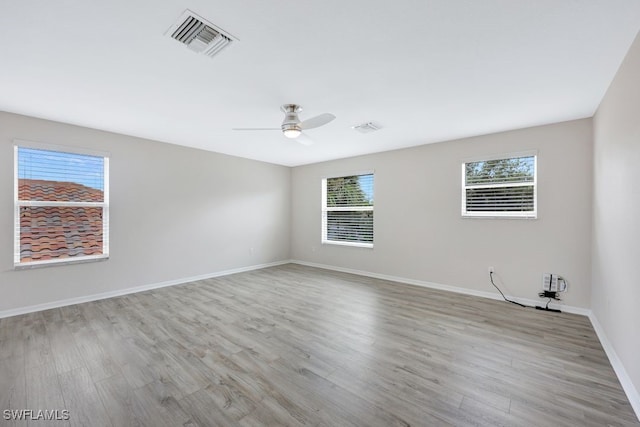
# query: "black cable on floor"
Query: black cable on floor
505,298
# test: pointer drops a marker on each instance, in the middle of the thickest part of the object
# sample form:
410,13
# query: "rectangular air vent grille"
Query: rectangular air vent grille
199,35
367,127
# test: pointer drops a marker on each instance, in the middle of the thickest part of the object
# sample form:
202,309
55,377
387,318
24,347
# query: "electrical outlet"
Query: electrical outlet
562,285
552,282
491,270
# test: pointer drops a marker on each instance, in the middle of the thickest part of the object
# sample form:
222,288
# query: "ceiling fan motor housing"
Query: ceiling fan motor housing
291,120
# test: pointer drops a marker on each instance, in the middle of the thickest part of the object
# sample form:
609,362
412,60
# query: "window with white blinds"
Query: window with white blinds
61,207
347,210
504,187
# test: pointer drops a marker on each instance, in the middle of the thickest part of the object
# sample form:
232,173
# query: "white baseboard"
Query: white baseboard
618,367
432,285
120,292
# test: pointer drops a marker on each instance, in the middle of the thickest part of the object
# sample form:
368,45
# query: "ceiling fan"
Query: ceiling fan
292,127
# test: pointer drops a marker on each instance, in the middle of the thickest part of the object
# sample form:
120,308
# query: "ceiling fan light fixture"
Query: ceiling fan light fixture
292,133
292,127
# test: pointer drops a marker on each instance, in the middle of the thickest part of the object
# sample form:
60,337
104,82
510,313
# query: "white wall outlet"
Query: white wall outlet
562,285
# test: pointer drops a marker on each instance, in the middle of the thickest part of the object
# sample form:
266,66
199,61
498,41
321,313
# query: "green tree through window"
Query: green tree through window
347,191
519,169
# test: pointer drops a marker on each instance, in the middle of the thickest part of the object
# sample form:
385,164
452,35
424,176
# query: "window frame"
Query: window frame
325,209
18,204
501,214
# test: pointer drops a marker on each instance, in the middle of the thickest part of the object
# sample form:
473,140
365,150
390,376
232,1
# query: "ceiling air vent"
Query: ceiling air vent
367,127
199,35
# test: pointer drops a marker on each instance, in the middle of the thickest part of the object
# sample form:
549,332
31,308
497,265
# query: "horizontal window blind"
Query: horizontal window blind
61,206
350,226
348,210
500,187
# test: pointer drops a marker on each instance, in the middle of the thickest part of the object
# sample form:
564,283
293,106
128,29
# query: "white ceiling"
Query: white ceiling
426,70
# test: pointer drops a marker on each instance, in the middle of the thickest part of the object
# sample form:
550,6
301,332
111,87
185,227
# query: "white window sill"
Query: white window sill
352,244
495,215
56,262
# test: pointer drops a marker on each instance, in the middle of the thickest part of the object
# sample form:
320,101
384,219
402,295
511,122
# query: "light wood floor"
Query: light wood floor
294,345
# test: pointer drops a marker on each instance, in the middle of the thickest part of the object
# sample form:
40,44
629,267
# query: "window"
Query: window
503,187
61,207
347,210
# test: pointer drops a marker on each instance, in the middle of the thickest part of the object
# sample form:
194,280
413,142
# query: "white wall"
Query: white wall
616,208
419,232
175,213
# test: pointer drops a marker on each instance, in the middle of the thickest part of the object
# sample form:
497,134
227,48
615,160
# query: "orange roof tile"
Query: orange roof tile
38,189
59,232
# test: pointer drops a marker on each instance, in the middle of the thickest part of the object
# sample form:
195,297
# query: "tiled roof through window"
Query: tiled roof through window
38,189
53,232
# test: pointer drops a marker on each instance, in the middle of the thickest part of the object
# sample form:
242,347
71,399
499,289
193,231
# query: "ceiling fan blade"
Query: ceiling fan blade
317,121
256,129
304,139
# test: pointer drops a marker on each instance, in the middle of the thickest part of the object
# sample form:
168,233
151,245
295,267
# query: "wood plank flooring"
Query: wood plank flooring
294,345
